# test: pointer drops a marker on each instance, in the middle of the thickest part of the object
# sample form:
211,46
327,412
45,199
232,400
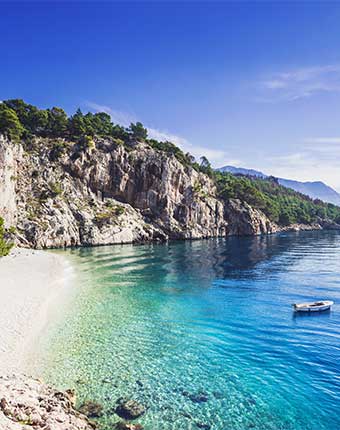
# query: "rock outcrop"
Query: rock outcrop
26,404
244,220
129,409
58,195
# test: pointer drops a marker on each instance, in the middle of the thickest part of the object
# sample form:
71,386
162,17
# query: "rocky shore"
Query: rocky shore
27,403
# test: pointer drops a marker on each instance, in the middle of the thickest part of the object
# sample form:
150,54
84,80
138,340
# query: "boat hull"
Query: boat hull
313,307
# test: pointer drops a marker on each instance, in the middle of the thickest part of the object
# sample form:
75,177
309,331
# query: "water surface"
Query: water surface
164,323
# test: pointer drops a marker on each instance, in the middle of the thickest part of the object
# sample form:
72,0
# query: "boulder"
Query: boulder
27,403
129,409
71,395
123,425
91,409
203,426
200,397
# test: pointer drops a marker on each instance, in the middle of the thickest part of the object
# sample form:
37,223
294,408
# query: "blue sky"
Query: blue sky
250,84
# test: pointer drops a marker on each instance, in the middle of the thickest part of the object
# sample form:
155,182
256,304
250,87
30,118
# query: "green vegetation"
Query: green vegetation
10,125
5,244
109,214
19,120
138,131
55,189
282,205
22,120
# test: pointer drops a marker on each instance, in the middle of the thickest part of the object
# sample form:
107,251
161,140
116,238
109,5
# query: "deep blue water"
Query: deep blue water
163,323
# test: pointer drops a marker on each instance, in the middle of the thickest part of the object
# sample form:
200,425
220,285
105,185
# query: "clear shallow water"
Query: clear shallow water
159,323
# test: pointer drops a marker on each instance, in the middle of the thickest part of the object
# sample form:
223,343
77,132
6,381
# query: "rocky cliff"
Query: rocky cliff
26,403
57,194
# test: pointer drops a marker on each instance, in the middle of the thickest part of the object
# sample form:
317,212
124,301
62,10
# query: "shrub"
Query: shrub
5,244
109,214
10,125
55,189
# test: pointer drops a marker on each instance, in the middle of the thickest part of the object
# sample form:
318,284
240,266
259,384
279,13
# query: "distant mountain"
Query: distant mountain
241,171
315,190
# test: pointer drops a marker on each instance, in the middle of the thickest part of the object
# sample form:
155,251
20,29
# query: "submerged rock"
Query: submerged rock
203,426
91,409
123,425
129,409
186,415
218,395
199,397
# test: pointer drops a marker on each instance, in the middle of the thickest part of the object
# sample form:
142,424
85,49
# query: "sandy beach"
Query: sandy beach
31,285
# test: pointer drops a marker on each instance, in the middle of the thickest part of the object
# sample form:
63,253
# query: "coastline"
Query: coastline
31,287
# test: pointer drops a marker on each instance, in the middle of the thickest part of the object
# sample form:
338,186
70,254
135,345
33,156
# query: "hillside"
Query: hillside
315,189
281,205
81,180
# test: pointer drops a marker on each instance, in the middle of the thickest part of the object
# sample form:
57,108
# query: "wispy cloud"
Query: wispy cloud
317,159
117,116
215,156
162,135
299,83
322,140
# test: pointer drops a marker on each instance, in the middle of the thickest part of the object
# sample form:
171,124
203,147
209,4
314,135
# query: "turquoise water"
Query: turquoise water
163,323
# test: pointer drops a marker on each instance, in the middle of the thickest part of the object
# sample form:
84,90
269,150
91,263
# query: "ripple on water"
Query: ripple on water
170,324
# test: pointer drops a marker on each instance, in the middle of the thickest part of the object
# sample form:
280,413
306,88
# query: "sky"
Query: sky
251,84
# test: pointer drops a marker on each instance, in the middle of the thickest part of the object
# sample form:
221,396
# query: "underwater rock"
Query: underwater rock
91,409
122,425
218,395
186,415
203,426
129,409
199,397
251,401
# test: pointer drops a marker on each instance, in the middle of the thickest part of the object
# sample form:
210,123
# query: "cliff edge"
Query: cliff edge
57,195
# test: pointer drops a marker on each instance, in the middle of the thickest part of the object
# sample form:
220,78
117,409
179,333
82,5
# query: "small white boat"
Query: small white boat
313,306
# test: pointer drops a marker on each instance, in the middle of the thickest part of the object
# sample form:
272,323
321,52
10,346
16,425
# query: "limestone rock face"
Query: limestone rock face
10,156
244,220
26,403
58,195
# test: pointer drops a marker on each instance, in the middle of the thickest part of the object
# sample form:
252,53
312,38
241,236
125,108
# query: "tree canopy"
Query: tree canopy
19,120
282,205
10,124
22,120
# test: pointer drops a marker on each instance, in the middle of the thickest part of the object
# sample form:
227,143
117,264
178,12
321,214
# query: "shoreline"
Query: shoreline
293,228
32,284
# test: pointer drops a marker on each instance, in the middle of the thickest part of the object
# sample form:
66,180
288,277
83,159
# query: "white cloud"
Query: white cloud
165,135
215,156
117,116
311,163
323,140
299,83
